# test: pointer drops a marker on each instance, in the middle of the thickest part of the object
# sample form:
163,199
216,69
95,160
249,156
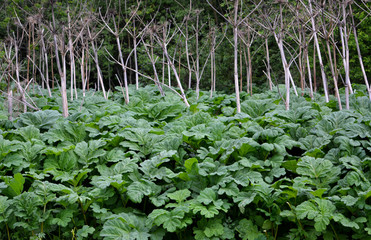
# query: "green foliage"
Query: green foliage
153,169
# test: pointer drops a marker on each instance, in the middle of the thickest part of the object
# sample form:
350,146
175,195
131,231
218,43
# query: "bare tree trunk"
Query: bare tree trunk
124,70
212,60
197,56
28,53
247,71
301,67
18,80
324,79
10,73
359,52
187,47
169,74
214,80
82,71
268,64
345,37
345,57
62,72
99,72
235,40
135,56
72,57
42,66
309,74
249,59
240,54
180,58
10,104
153,62
171,64
212,73
314,68
52,67
163,68
333,74
87,67
187,57
285,68
33,56
174,57
45,55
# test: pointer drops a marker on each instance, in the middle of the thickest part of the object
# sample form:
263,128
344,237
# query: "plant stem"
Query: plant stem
42,224
336,236
275,235
7,231
301,226
83,213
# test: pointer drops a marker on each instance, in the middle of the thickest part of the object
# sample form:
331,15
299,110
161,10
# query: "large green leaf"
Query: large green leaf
319,210
126,226
40,119
16,184
171,220
248,230
90,152
66,131
320,171
138,189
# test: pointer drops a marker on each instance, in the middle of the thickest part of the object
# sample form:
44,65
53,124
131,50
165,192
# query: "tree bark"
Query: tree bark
135,56
268,64
235,40
171,64
359,52
10,104
62,72
45,55
324,79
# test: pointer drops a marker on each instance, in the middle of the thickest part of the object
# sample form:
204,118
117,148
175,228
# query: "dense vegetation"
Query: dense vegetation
107,130
155,169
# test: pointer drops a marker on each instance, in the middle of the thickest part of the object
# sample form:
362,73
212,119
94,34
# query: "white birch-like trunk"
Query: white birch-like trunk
18,79
70,49
99,72
286,70
211,73
345,36
135,57
333,74
250,68
235,40
187,58
268,64
153,61
197,59
359,53
171,64
72,67
62,72
214,74
10,104
324,79
123,65
163,68
309,74
212,62
82,71
344,56
63,86
45,55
